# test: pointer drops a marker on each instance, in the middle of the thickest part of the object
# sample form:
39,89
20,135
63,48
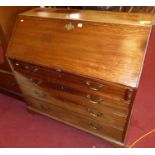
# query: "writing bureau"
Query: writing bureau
81,67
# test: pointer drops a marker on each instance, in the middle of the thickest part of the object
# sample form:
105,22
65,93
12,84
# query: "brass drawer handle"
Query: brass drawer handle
27,67
93,126
96,101
69,26
35,69
40,94
89,84
37,82
94,114
44,107
62,87
58,70
129,95
16,64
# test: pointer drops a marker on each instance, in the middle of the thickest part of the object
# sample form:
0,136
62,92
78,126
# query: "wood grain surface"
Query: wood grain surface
113,52
62,58
78,84
90,15
74,119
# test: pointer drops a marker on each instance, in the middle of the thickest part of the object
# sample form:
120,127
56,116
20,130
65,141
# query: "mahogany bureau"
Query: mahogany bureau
81,67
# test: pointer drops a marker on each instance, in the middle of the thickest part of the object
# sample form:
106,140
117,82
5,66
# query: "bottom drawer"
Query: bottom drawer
75,119
8,82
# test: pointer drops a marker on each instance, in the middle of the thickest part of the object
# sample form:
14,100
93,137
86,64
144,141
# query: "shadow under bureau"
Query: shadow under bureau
81,67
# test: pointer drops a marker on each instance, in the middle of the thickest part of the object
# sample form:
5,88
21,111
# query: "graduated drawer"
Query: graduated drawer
74,119
75,95
8,82
103,113
118,108
86,84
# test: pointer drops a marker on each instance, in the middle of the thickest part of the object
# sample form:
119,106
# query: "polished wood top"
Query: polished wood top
91,15
109,51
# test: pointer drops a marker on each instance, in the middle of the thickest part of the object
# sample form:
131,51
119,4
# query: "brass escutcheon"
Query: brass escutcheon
69,26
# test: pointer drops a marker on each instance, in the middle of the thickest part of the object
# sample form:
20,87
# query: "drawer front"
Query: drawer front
7,81
96,87
77,95
75,119
88,101
103,114
33,69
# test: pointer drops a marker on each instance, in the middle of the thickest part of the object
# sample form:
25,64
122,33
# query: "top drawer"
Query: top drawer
94,86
